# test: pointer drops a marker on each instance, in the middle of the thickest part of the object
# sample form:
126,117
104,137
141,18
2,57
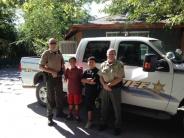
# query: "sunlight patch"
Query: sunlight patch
83,131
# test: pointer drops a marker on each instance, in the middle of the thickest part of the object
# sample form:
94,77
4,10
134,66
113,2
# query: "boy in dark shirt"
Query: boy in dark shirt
91,82
73,75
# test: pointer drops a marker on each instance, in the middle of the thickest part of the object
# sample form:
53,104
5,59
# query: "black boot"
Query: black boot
50,121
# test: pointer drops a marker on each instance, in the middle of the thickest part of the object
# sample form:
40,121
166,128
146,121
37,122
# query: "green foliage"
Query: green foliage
42,19
10,51
7,29
50,18
7,14
170,11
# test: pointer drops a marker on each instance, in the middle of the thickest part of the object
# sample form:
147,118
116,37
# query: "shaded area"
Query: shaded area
10,81
140,126
69,129
133,126
9,74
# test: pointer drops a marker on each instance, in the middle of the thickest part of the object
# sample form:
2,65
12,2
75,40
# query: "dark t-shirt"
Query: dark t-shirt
91,73
74,76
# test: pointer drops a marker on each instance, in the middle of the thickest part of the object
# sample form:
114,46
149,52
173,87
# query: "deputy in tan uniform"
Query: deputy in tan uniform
111,76
52,63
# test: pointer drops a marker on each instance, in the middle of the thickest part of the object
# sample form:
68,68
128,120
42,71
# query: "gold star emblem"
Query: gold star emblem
158,87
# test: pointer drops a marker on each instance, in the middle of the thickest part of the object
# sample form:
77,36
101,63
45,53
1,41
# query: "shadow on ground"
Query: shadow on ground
69,129
133,126
9,73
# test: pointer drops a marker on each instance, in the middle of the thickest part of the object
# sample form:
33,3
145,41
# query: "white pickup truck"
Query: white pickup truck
152,85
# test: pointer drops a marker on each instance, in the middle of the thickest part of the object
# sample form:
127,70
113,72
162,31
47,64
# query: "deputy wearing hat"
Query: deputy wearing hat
52,64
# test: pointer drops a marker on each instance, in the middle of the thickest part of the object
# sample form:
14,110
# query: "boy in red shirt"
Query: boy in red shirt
73,75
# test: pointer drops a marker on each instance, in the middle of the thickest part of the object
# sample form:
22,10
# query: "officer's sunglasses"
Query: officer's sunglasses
52,43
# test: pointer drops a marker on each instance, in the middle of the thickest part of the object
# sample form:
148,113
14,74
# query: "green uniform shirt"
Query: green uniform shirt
53,60
111,71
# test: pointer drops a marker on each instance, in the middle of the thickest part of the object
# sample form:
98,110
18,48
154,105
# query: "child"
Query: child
90,79
73,75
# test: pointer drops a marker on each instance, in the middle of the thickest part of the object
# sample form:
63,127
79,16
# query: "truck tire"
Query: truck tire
180,119
41,93
183,121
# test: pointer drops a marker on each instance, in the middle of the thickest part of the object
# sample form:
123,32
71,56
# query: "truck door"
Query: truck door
144,89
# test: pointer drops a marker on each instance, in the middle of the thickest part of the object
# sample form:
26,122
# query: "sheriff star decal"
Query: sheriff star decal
158,87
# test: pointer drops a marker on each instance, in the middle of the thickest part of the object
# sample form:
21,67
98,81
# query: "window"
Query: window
97,49
133,53
138,33
111,34
128,33
144,50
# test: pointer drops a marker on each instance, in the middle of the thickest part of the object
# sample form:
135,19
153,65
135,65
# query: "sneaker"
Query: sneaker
69,117
88,124
77,118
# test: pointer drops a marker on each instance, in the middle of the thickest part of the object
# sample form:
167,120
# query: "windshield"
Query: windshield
159,45
68,56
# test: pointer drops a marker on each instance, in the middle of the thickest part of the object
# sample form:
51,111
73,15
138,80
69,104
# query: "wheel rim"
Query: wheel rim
43,94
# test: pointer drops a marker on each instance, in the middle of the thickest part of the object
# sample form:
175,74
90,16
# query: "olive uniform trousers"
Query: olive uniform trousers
55,95
113,97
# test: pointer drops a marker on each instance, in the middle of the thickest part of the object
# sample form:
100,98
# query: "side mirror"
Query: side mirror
150,63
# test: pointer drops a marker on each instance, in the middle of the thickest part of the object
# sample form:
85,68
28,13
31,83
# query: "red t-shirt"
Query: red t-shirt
74,75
